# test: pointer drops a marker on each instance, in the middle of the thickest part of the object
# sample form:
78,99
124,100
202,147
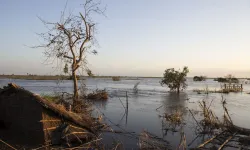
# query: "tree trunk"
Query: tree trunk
76,95
178,89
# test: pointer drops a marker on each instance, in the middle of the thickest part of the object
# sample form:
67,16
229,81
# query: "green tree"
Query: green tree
175,79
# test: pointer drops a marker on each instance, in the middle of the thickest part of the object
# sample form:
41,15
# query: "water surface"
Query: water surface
142,114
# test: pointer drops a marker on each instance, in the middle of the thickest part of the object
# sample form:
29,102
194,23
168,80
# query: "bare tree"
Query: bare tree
71,38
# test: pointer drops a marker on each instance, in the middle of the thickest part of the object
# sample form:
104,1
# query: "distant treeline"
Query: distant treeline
64,77
36,77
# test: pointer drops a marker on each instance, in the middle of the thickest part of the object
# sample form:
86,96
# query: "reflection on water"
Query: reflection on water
172,100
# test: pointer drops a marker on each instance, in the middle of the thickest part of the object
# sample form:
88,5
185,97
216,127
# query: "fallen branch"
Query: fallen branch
159,107
226,141
209,140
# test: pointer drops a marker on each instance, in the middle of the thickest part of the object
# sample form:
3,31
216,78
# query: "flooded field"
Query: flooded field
146,107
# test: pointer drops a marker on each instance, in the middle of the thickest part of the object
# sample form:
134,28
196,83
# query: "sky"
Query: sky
136,37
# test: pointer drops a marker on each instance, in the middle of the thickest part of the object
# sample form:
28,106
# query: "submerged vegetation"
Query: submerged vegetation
218,132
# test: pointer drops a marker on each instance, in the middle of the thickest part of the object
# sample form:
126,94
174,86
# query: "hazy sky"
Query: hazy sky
138,37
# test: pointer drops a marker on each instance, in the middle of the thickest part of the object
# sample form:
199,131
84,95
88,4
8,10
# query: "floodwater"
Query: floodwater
142,113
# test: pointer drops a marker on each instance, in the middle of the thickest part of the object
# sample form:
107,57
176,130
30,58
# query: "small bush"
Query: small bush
98,95
117,78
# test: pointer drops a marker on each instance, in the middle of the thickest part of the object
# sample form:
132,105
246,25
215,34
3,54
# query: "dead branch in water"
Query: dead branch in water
159,107
229,138
135,89
209,140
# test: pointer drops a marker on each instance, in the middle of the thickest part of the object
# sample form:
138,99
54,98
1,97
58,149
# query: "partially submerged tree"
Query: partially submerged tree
71,38
175,79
